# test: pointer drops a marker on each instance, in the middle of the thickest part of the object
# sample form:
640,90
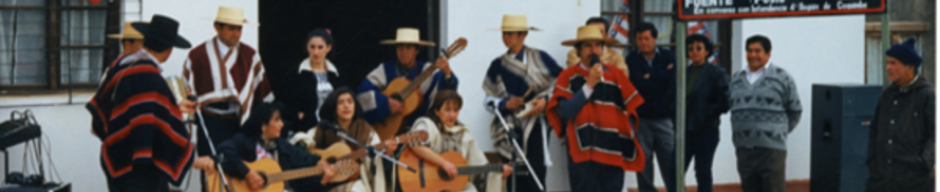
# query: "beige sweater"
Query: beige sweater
611,56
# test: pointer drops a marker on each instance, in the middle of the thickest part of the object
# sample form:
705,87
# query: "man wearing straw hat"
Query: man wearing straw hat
131,40
144,142
521,75
610,55
378,106
227,77
592,107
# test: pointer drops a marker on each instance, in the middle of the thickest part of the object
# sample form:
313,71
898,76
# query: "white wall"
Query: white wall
475,20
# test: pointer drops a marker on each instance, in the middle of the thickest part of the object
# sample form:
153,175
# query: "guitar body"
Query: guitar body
387,128
264,166
431,177
334,152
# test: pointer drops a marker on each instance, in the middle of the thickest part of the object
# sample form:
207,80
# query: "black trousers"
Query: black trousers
593,176
536,154
140,180
701,146
220,129
762,169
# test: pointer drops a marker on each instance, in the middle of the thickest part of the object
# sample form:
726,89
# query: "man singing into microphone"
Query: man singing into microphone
594,108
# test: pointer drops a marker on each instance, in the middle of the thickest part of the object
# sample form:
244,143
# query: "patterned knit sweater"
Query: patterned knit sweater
764,113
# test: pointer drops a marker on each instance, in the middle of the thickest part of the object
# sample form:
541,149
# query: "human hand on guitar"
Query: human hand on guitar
394,106
328,172
507,170
514,103
206,164
255,181
391,144
443,65
450,169
187,106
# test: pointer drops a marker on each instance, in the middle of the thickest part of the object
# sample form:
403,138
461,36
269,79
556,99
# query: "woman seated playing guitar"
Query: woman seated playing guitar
261,139
446,134
339,109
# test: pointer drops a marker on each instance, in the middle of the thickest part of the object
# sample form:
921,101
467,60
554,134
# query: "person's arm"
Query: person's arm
930,124
570,108
793,106
233,152
374,104
493,87
720,103
308,100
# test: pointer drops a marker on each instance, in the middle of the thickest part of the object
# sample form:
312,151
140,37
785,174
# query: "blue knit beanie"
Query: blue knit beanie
905,53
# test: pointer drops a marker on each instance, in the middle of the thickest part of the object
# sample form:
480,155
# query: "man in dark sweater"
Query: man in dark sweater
901,141
652,71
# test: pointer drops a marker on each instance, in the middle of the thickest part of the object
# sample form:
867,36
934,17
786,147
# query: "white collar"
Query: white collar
761,70
141,55
305,66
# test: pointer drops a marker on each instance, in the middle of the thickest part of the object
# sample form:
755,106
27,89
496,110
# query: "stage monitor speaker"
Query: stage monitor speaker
841,117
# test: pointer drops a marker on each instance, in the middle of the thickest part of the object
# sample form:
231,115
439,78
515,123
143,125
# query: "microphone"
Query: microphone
330,126
594,60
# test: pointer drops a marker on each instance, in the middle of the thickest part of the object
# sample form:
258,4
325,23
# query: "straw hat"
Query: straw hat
406,35
129,33
233,16
590,33
516,23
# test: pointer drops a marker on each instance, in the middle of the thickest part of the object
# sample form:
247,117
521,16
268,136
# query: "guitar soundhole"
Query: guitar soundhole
443,175
331,160
265,178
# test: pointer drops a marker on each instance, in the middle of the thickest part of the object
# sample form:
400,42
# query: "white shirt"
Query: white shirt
752,76
587,90
223,49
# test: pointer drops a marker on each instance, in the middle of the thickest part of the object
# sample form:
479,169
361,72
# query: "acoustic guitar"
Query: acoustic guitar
431,178
274,177
409,93
340,150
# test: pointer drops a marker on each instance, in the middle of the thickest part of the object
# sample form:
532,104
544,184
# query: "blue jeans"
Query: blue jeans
701,146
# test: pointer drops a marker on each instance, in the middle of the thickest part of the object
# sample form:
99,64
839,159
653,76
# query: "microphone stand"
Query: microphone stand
518,152
342,134
218,164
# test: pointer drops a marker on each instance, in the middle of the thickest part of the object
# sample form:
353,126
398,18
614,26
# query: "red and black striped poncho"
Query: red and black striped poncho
138,121
601,131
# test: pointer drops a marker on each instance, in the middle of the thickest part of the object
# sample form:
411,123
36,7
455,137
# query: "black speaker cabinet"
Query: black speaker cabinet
840,121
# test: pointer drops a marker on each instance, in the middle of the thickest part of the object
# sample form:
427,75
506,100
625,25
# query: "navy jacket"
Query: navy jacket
242,148
707,100
659,91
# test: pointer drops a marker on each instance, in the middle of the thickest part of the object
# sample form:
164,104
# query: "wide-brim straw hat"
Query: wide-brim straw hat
590,33
129,32
515,23
233,16
406,35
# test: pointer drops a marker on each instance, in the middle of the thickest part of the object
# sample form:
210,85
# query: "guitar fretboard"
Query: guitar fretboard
469,170
295,174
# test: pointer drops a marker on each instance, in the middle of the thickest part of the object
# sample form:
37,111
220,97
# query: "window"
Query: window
627,13
48,44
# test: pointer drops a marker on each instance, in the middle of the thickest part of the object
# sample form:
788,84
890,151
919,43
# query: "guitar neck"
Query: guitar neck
418,80
295,174
470,170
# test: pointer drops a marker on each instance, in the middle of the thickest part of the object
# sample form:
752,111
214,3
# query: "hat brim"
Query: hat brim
396,42
516,29
607,41
250,24
122,36
177,41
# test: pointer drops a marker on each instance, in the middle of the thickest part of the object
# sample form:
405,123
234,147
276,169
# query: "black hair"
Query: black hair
763,40
577,47
598,20
702,39
261,114
440,99
322,33
517,32
155,45
328,109
646,26
129,40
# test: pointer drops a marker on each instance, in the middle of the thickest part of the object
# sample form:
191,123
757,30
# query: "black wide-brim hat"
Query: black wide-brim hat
163,29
